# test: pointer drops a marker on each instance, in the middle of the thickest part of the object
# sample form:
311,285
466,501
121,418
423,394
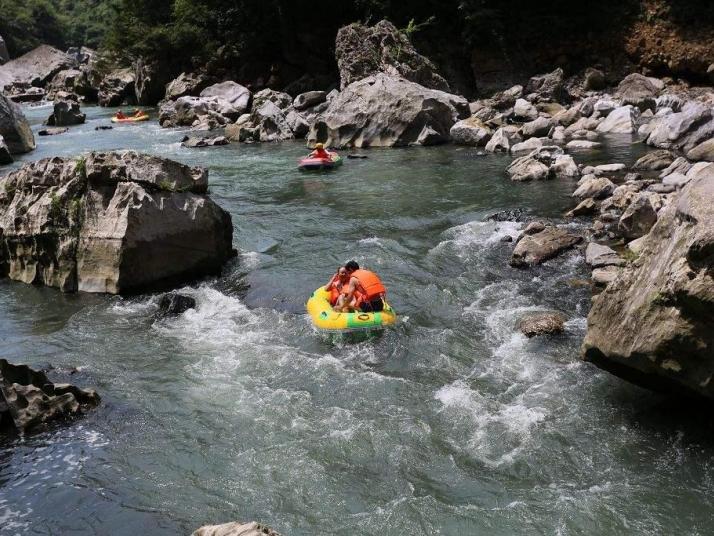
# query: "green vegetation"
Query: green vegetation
55,207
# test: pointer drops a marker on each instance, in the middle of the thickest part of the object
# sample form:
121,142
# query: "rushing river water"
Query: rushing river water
451,423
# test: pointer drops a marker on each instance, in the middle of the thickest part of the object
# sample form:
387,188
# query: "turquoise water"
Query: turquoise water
451,423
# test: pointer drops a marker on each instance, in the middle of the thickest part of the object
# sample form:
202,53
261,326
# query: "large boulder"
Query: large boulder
66,113
683,130
111,222
117,88
28,398
545,244
655,160
548,87
385,111
703,151
309,99
470,131
639,91
150,79
271,122
71,81
14,127
35,68
280,99
622,120
653,325
638,218
230,93
201,113
186,85
5,156
364,51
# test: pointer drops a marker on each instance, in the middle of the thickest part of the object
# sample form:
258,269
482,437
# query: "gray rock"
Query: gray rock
604,107
298,124
383,111
622,120
606,169
567,117
271,122
309,99
529,145
117,88
174,304
150,80
35,68
599,256
66,113
506,99
638,218
583,144
652,325
703,151
28,398
534,166
235,529
536,324
656,160
595,187
538,128
683,130
679,165
186,85
639,91
525,110
594,79
5,156
111,222
564,167
52,131
533,228
471,131
500,141
201,113
14,127
549,87
71,81
586,207
539,247
230,94
280,99
675,180
362,51
204,141
605,276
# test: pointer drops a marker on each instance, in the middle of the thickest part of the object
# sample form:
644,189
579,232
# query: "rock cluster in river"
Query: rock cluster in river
653,323
110,222
28,398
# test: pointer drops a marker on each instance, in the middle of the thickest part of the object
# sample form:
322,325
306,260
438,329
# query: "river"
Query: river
451,423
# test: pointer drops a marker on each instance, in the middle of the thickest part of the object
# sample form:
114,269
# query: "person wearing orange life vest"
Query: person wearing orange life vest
319,152
120,115
337,284
365,291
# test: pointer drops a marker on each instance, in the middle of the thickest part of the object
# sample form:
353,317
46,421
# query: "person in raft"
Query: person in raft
137,112
319,152
120,115
337,284
364,292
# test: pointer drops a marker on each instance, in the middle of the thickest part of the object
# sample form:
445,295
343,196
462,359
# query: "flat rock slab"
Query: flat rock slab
539,247
598,256
235,529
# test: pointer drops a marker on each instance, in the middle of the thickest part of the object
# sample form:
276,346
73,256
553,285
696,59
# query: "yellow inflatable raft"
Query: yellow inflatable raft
131,119
323,317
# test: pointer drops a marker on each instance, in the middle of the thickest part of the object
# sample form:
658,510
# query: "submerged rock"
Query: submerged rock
384,111
653,325
363,51
235,529
536,324
28,398
204,141
537,248
111,222
52,131
173,304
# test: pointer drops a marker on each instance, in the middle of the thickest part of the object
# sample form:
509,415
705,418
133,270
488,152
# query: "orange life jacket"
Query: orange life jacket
320,153
371,286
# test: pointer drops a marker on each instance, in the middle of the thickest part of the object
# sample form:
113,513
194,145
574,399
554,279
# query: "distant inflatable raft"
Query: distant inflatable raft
323,317
131,119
